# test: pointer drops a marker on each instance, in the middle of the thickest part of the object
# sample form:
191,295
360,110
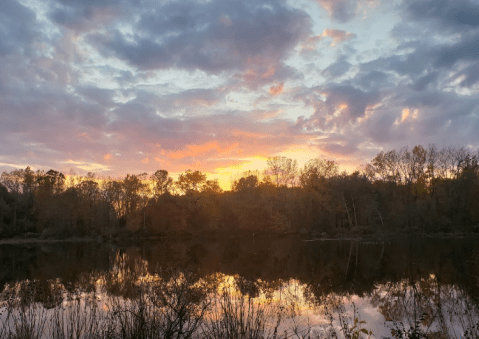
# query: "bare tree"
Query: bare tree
283,170
162,182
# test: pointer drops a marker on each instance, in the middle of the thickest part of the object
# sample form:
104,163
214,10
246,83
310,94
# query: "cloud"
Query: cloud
195,150
15,35
469,76
87,166
336,35
450,14
138,85
277,89
345,10
465,50
337,69
343,102
341,149
84,18
184,101
193,35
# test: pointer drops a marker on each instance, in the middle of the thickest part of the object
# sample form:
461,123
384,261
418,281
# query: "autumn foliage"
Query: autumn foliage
417,190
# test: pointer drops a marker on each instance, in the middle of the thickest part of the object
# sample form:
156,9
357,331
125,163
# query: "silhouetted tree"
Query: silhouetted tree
283,170
191,182
162,182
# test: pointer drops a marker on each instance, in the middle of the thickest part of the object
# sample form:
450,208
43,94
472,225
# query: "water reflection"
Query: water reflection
232,288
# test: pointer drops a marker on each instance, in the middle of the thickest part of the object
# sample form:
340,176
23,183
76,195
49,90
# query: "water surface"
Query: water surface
390,283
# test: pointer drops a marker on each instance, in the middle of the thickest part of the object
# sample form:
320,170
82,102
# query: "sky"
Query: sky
132,86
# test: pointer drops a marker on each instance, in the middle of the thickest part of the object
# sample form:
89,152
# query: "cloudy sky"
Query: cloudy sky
132,86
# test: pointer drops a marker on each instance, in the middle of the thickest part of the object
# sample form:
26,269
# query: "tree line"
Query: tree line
418,190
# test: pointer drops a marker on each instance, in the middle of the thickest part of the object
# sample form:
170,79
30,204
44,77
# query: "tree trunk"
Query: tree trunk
380,217
347,211
354,209
15,215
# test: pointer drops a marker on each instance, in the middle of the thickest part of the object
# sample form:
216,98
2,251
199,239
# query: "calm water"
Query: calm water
390,283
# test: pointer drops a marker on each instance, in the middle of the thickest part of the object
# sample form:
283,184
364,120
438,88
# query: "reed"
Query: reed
179,306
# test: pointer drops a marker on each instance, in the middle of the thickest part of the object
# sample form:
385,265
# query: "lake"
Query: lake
396,287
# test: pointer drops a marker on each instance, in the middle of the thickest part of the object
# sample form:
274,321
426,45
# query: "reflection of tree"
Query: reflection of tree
47,293
122,279
407,280
425,307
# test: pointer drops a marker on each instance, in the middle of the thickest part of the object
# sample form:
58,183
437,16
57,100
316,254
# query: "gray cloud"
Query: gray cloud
470,75
15,34
453,14
337,69
86,15
54,104
341,10
466,49
213,36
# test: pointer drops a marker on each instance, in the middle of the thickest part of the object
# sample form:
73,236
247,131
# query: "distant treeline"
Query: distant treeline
417,190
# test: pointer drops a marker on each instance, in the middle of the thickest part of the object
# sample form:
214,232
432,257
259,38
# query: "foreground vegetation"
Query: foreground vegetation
183,305
419,190
180,306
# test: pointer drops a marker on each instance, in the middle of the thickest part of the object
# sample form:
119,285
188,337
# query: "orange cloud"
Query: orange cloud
329,5
278,89
269,72
145,161
107,156
252,74
407,114
336,35
163,162
309,44
249,75
238,133
265,115
194,150
205,102
335,8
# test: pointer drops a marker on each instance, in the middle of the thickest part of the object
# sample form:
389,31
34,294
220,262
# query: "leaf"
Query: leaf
365,331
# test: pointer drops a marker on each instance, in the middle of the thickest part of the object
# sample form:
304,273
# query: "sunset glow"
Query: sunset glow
219,86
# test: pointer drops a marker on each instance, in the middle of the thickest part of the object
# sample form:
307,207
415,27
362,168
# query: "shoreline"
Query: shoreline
132,238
